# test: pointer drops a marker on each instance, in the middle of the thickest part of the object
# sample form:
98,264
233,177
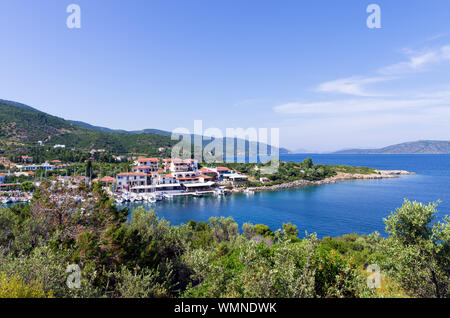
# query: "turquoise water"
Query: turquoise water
328,210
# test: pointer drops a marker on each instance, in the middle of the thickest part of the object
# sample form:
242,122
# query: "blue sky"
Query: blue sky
311,68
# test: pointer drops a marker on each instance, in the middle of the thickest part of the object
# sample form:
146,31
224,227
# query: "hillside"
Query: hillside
23,126
415,147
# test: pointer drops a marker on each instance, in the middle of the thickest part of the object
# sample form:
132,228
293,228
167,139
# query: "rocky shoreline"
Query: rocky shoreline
339,177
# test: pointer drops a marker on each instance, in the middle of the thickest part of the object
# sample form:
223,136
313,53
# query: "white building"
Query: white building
166,179
151,163
127,180
183,165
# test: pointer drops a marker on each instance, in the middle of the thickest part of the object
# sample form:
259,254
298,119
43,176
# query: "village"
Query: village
153,179
150,179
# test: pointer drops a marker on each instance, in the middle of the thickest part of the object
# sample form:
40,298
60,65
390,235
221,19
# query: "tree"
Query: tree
27,186
290,230
419,250
88,168
264,230
307,163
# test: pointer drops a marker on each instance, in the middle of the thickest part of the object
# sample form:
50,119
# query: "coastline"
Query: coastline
339,177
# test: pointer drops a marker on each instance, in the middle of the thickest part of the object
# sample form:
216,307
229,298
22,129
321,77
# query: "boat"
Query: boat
247,191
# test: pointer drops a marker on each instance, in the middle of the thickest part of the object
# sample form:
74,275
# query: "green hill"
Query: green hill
415,147
23,126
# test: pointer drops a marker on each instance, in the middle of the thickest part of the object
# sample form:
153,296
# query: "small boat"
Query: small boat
247,191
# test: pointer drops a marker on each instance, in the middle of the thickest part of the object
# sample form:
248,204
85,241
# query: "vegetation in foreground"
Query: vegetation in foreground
143,256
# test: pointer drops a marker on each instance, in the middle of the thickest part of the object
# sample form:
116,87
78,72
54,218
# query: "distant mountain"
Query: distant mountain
154,131
415,147
121,131
301,151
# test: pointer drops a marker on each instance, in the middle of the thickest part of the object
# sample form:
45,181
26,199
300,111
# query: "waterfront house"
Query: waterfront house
152,163
220,171
166,179
235,178
126,180
264,180
183,165
204,178
208,172
199,186
143,169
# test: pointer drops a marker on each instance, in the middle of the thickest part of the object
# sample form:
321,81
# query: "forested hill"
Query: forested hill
23,126
416,147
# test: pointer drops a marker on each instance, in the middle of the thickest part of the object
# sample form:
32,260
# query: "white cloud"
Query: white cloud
365,105
351,85
418,61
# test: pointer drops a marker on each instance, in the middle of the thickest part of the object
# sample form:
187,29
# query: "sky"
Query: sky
313,69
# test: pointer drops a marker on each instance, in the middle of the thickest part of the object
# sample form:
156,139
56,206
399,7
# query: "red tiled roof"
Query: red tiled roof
107,179
223,169
132,174
142,167
205,177
148,159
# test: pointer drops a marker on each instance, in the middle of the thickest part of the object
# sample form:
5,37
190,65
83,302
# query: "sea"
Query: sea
356,206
